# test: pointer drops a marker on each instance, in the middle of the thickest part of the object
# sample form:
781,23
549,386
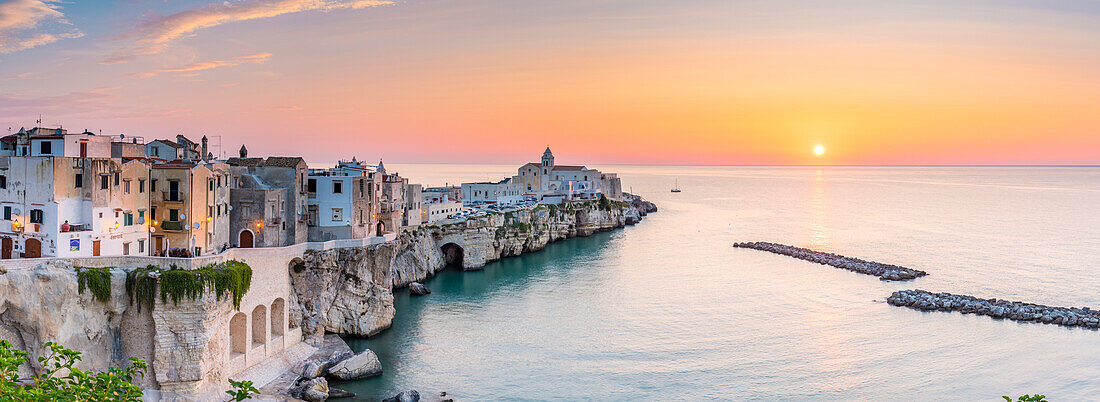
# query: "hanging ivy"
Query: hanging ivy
97,279
232,277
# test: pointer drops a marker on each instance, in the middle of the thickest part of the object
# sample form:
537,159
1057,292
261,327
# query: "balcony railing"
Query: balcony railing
172,225
77,228
172,196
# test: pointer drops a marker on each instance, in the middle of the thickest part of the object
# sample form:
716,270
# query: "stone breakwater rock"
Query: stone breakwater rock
885,272
363,365
418,289
996,308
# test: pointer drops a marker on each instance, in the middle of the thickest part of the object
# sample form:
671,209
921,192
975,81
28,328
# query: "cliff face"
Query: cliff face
345,291
349,291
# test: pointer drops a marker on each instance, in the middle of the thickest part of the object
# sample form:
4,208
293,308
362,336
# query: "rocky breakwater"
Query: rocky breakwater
886,272
996,308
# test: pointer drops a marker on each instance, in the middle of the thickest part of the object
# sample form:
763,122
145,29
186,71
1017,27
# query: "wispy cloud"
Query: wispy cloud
26,24
288,108
153,35
207,65
23,76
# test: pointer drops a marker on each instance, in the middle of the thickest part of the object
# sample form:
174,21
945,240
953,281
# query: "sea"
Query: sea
668,310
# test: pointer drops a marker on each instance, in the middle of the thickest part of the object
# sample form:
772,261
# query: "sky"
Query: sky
599,81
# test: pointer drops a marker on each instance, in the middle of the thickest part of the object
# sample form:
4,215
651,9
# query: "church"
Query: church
547,181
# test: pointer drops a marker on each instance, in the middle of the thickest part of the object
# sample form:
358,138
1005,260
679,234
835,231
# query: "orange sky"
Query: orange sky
692,82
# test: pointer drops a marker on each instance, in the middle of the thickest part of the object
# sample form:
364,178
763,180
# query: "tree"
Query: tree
63,382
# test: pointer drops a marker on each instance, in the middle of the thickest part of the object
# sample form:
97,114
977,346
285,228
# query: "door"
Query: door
6,247
33,249
95,248
158,244
245,239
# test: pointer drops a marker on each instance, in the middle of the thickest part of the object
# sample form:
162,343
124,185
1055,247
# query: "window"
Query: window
46,147
152,185
153,213
141,246
173,215
7,213
337,214
126,187
78,182
126,248
209,211
3,181
117,179
36,216
337,187
156,151
141,217
312,186
128,219
104,182
210,184
141,186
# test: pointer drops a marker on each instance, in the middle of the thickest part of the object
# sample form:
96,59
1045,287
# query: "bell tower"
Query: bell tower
548,159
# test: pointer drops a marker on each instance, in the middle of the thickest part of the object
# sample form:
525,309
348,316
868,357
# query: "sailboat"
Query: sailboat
676,188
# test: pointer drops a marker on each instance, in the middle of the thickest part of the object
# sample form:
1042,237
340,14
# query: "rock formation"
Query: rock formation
363,365
996,308
885,272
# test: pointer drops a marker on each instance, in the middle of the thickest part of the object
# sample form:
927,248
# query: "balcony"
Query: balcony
171,225
76,228
171,196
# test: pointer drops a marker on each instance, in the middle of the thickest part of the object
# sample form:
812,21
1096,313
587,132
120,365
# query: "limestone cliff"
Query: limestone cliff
349,291
40,303
345,291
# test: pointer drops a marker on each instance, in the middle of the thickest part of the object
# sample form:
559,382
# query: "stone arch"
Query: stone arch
246,239
381,228
278,317
453,256
259,325
238,332
296,265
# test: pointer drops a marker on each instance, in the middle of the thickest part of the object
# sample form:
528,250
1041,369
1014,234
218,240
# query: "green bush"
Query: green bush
1027,398
241,390
63,382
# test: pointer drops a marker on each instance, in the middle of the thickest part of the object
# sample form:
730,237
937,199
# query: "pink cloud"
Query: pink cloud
207,65
153,35
26,24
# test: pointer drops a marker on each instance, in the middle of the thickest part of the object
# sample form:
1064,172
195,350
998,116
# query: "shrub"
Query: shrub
63,382
97,280
233,277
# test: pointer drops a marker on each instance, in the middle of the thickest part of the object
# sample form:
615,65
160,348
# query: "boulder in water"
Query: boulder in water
418,289
363,365
312,390
334,393
406,396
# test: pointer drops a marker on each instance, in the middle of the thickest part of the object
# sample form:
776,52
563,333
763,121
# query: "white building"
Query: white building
68,198
503,192
343,202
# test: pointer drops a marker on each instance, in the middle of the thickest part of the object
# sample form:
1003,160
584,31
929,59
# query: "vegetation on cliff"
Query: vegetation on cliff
61,381
97,280
233,277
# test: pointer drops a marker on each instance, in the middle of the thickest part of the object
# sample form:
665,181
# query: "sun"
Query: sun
819,150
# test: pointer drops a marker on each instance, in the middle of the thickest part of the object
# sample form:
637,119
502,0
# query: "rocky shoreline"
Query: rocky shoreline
996,308
886,272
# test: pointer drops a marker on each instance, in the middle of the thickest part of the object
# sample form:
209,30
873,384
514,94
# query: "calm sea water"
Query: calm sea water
668,310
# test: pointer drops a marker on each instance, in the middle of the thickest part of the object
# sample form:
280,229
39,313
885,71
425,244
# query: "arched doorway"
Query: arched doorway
245,239
453,256
381,228
259,326
33,249
5,248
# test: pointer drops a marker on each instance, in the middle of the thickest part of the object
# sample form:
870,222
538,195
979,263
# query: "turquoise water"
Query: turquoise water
668,310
